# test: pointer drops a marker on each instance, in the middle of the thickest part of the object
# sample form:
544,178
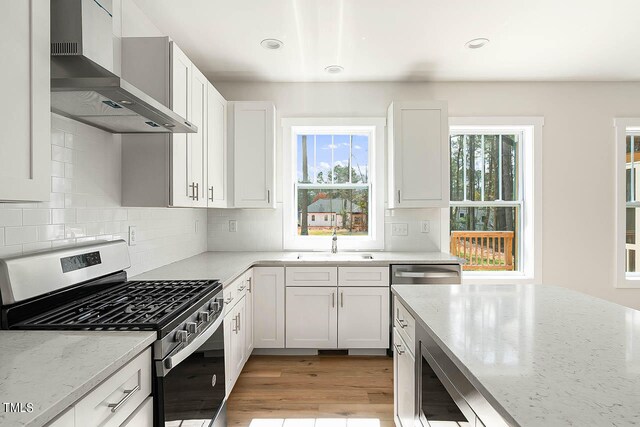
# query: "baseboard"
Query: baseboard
368,352
315,352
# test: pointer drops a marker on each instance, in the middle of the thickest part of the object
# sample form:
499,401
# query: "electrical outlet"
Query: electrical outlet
233,225
425,226
133,235
399,229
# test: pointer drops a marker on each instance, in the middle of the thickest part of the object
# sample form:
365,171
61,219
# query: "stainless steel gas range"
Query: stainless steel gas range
85,287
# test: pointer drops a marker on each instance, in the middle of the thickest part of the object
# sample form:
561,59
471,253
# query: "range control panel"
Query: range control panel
77,262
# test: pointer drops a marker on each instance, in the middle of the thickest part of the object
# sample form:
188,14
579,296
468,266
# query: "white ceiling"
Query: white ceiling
400,40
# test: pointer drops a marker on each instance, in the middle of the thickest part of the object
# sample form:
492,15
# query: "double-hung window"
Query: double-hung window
628,202
492,199
332,168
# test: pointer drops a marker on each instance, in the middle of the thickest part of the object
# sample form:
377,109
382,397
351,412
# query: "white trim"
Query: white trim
375,126
622,279
531,164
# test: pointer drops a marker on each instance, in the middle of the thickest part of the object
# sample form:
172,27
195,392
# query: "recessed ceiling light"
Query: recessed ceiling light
334,69
476,43
271,44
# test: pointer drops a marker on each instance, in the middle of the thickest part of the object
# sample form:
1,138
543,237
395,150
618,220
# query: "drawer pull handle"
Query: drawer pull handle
399,349
403,323
127,395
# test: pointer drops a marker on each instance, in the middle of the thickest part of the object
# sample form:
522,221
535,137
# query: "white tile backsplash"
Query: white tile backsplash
261,230
85,205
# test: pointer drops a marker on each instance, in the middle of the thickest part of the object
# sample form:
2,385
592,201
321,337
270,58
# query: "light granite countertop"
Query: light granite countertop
53,369
547,355
227,266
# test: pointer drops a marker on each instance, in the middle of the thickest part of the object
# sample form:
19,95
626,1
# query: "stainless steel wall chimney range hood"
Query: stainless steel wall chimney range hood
83,84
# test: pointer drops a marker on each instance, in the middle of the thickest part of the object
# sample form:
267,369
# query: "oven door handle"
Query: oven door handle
163,367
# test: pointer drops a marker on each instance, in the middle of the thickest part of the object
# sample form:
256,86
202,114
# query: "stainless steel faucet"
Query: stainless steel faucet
334,242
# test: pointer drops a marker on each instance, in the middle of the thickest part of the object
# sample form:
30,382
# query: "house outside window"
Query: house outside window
332,166
628,203
493,203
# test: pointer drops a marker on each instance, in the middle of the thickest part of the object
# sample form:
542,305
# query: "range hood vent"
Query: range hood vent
83,84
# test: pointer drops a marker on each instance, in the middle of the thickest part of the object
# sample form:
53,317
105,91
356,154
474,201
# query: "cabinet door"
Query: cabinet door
248,324
233,344
238,340
254,154
363,317
181,188
418,155
197,141
268,307
25,116
216,149
312,317
404,384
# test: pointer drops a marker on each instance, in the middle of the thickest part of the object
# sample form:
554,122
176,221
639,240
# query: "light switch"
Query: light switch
233,225
399,229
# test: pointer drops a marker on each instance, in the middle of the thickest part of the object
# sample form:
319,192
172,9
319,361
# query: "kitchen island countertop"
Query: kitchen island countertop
545,355
54,369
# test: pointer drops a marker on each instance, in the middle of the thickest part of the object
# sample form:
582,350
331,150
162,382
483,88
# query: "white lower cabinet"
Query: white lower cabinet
403,382
312,317
363,317
268,307
123,399
234,343
248,303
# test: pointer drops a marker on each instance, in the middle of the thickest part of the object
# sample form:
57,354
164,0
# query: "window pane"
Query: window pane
509,167
360,159
631,242
457,168
486,237
474,167
491,169
320,211
306,159
324,158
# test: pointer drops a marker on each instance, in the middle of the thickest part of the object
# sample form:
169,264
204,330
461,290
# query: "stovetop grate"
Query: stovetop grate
142,305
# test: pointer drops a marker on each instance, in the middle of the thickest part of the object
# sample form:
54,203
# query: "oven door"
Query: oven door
190,383
439,401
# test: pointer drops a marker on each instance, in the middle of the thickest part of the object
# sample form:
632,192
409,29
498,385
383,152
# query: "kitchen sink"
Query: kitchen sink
327,256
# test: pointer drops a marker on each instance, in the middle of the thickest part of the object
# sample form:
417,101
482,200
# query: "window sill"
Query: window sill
628,284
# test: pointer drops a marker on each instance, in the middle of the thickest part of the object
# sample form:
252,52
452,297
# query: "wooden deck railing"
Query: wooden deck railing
484,250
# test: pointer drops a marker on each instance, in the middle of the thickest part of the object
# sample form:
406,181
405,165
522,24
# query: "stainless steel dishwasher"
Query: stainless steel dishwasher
425,274
420,274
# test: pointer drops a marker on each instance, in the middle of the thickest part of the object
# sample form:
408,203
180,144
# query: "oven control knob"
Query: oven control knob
204,316
214,306
192,327
182,336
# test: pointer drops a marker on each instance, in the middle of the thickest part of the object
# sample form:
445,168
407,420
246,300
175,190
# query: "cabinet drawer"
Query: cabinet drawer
118,396
311,276
363,276
405,324
67,419
142,417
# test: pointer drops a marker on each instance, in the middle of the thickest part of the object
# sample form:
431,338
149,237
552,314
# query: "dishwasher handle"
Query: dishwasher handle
426,274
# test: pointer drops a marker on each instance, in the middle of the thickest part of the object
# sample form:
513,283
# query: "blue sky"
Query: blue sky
326,151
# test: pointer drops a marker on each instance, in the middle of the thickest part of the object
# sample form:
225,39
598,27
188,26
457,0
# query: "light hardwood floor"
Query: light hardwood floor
313,391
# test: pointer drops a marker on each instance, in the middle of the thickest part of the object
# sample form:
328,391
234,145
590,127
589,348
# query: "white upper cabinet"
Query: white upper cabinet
182,189
198,141
418,144
254,154
166,169
217,152
25,114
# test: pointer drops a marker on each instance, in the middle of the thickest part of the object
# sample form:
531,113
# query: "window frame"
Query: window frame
622,278
529,193
375,127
